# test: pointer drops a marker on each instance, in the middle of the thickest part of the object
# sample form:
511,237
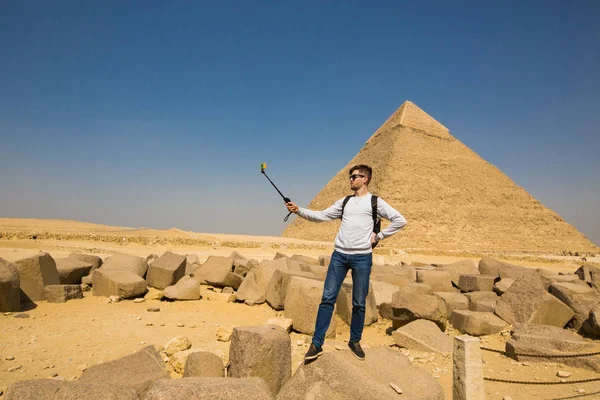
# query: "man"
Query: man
353,250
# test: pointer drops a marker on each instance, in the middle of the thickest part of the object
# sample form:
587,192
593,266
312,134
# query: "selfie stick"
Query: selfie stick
263,166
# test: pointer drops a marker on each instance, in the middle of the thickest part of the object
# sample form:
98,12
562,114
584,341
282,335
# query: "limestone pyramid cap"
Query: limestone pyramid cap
410,115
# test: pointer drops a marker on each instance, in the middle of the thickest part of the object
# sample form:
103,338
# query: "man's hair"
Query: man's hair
363,169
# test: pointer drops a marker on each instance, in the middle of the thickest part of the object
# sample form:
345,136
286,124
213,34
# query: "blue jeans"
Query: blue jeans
340,263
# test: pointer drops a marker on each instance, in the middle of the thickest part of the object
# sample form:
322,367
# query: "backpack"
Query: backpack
376,219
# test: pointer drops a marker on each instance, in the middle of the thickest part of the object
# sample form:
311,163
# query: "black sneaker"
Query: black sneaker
313,352
357,350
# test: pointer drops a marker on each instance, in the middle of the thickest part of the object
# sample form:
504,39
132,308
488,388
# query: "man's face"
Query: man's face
357,179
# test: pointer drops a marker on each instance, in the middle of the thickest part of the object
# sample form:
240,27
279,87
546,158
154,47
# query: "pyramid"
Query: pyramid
452,198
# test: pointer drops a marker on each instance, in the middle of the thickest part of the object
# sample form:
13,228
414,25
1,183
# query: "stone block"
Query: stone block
302,304
423,335
475,283
262,351
126,262
476,323
35,273
108,282
10,298
62,293
71,270
166,271
439,281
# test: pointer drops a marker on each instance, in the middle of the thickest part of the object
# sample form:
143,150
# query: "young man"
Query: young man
353,251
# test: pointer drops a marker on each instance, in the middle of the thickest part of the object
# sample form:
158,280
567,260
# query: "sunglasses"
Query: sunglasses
353,177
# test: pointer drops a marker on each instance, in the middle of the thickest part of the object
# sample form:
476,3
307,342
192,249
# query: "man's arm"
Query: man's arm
397,221
329,214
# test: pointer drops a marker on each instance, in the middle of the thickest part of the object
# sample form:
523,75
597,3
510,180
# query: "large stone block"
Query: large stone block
302,304
10,298
456,269
71,270
51,389
62,293
344,304
249,291
408,307
423,335
528,302
187,288
592,325
166,271
305,259
482,301
126,262
136,371
475,283
339,375
218,271
551,338
35,273
453,301
476,323
204,364
209,388
581,299
383,292
278,285
438,280
117,283
262,351
490,266
502,286
590,274
95,261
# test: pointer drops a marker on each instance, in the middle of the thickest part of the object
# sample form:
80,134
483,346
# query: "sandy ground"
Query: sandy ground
62,340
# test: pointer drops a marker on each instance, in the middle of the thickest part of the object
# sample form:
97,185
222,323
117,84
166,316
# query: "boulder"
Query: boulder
35,273
383,292
278,285
581,299
423,335
262,351
249,291
136,371
113,282
209,388
62,293
51,389
302,304
191,259
95,261
456,269
285,323
392,279
453,301
71,270
243,266
385,311
592,325
191,268
166,271
204,364
476,323
126,262
502,285
341,374
551,338
179,359
490,266
10,299
409,307
529,302
531,353
439,281
186,289
343,304
217,265
217,271
475,283
416,288
176,344
590,274
482,301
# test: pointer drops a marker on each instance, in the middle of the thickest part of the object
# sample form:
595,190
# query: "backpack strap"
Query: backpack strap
344,204
376,219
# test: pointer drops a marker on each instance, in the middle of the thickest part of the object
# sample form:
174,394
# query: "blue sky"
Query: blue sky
158,114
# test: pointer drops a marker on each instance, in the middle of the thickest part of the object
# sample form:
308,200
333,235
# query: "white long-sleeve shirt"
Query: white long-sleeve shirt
354,236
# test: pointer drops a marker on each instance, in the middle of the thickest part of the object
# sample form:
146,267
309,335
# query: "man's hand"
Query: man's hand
374,238
292,207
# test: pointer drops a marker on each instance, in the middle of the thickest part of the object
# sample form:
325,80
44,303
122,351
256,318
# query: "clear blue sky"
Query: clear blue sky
158,114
